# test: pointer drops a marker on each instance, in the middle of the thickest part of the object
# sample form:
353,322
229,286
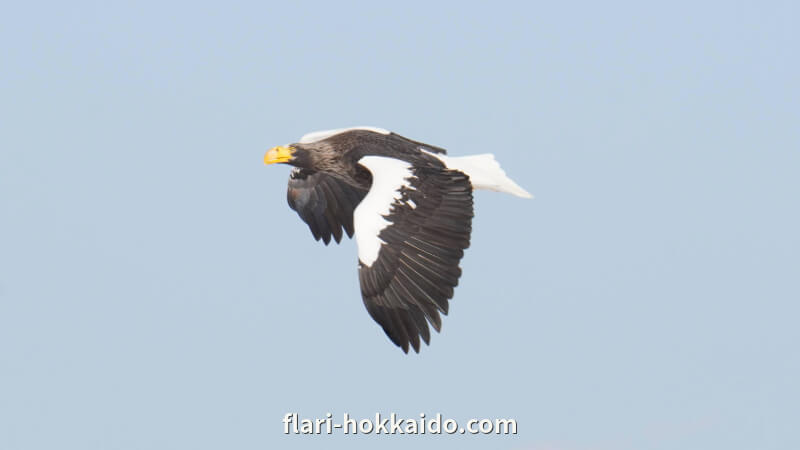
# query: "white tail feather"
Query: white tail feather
484,173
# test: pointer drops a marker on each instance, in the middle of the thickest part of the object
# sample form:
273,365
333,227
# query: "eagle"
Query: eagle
410,208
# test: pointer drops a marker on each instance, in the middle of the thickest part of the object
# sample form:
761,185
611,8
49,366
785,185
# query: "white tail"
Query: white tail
484,173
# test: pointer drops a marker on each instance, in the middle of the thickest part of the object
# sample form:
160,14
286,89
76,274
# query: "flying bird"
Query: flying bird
409,206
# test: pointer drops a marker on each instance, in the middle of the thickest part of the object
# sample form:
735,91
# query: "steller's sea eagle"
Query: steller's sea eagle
410,208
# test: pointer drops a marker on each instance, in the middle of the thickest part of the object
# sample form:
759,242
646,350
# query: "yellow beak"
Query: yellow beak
279,154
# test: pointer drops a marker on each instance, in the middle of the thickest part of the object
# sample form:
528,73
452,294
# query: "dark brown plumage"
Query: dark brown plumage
410,208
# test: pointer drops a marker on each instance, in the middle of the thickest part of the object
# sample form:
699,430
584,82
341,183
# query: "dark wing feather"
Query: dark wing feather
413,278
324,202
362,143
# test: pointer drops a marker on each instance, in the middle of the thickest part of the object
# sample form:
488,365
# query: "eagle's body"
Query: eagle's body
409,207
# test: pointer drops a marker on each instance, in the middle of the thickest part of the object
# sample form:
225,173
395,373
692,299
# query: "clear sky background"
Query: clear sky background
156,292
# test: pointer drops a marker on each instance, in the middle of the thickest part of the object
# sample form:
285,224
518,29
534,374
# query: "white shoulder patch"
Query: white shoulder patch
317,136
388,176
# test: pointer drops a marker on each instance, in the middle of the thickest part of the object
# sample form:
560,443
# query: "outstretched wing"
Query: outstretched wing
411,229
324,202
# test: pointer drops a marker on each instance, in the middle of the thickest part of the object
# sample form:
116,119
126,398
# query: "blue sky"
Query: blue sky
156,291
